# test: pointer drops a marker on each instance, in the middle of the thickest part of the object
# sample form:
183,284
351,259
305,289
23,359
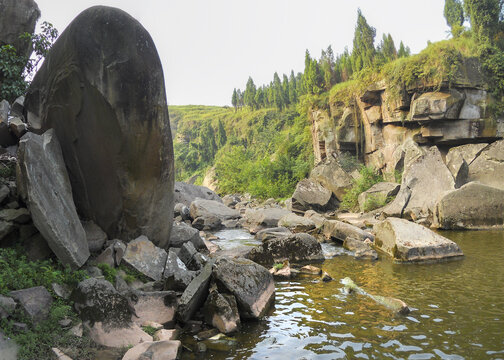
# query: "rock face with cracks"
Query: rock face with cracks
43,183
101,88
250,283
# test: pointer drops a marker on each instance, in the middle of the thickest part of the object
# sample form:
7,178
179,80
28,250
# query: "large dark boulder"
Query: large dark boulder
16,18
44,185
101,88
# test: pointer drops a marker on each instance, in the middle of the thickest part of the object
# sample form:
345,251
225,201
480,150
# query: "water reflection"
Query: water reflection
458,307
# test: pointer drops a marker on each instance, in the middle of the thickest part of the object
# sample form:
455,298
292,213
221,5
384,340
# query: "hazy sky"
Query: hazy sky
209,47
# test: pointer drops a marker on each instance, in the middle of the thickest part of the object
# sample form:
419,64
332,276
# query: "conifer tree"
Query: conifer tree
404,51
292,88
221,134
250,93
285,89
277,92
234,99
363,43
454,15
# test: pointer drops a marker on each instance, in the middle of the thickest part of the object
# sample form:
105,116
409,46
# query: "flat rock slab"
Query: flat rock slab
268,217
339,230
154,350
295,248
250,283
147,258
158,306
8,348
117,336
296,223
406,241
473,206
36,302
43,182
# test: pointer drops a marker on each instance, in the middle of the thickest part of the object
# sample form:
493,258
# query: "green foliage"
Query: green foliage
149,330
278,266
16,70
376,201
266,152
484,16
109,273
16,272
368,177
454,15
8,170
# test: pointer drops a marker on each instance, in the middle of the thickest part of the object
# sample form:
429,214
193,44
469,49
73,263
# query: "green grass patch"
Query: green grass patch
17,273
368,176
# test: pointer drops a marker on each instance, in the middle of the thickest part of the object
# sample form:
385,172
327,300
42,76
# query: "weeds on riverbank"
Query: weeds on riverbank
36,340
368,176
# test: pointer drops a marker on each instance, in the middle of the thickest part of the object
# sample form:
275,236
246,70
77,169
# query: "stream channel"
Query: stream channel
457,308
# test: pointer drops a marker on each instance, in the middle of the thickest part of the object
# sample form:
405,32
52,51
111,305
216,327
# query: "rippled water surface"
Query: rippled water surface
458,310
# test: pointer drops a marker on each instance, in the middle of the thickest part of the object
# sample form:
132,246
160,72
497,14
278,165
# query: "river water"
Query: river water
457,308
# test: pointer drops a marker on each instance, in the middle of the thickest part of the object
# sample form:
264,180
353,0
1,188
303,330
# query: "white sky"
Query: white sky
209,47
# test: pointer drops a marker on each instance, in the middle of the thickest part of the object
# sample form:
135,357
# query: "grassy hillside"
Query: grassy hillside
264,152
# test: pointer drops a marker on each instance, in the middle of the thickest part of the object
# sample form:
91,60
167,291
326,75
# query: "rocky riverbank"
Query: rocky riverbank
88,181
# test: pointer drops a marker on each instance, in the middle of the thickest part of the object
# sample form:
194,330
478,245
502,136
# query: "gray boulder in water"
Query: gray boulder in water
101,88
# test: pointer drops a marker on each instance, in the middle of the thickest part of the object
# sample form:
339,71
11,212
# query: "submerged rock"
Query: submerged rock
221,311
250,283
101,88
50,201
406,241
